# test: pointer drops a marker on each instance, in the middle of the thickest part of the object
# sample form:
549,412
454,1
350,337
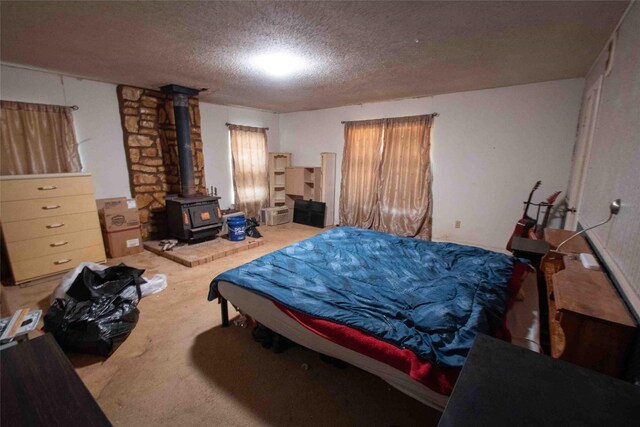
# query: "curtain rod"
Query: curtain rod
233,124
405,117
72,107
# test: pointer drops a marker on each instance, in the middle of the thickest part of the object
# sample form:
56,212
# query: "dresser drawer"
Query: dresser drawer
45,227
44,188
50,264
46,208
35,248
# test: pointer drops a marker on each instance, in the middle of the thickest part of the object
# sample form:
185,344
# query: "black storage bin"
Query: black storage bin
308,212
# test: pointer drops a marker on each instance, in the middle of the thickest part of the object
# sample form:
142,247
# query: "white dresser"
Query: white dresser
49,223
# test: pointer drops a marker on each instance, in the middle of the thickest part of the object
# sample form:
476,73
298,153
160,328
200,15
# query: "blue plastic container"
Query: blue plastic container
237,225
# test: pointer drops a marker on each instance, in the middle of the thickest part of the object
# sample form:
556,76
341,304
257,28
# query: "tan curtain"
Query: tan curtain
360,173
386,176
250,168
37,139
404,197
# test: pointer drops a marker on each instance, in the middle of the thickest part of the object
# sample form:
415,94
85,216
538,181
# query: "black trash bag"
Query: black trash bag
251,228
90,284
93,326
100,311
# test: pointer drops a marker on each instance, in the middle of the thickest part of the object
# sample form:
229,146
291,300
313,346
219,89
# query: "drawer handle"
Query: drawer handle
47,187
56,244
57,225
49,207
62,261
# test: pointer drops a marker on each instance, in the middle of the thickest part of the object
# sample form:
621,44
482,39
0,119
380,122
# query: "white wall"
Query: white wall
97,121
612,169
99,132
488,149
216,146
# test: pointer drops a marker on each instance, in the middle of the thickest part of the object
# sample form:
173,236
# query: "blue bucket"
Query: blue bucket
236,225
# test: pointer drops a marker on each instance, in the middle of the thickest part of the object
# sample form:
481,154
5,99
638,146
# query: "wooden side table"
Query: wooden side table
40,387
589,323
505,385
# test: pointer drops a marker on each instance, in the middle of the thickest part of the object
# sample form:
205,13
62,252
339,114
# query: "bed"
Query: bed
403,309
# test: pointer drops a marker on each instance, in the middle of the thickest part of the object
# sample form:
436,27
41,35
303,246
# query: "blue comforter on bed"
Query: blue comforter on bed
430,297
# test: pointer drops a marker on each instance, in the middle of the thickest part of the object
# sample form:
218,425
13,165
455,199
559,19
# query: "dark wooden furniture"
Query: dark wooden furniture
533,250
505,385
308,212
40,387
589,324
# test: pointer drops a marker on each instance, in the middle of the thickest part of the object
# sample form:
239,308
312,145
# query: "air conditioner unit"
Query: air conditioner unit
275,216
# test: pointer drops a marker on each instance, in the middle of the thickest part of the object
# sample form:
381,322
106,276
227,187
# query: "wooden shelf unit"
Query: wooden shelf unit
328,190
278,162
303,181
589,324
313,183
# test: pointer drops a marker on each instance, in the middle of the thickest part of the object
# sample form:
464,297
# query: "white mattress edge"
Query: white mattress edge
523,322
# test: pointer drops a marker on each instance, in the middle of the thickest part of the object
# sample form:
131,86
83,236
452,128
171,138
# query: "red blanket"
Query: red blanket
438,378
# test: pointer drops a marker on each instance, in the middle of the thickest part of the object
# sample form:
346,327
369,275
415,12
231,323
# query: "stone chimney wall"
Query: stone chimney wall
151,147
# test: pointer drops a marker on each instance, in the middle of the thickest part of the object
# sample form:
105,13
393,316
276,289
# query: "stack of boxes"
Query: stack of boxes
120,225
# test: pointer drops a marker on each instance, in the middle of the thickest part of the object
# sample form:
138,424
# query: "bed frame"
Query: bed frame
523,322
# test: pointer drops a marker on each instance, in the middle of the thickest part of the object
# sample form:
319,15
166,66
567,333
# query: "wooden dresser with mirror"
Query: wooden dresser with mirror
589,323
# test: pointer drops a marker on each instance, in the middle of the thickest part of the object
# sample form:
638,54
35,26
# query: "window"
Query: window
37,139
250,174
386,176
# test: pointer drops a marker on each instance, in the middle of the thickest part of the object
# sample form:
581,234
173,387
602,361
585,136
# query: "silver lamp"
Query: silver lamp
614,208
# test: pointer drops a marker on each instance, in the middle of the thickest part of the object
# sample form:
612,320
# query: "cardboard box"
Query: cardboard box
119,221
123,242
113,204
118,214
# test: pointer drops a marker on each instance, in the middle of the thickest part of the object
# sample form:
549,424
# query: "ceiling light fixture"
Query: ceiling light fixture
280,64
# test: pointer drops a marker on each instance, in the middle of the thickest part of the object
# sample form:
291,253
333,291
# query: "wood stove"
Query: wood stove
191,217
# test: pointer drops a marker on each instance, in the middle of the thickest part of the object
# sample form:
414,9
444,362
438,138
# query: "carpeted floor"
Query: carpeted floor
180,367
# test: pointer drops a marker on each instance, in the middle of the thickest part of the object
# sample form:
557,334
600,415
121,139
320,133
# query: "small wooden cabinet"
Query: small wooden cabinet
589,324
303,182
49,223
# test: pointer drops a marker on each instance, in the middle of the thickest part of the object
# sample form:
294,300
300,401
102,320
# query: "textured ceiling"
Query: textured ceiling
360,51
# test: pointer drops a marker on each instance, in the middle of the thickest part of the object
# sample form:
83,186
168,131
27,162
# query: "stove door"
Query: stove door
203,215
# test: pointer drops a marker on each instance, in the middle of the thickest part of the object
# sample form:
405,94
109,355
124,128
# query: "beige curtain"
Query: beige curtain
250,168
386,176
360,173
404,197
37,139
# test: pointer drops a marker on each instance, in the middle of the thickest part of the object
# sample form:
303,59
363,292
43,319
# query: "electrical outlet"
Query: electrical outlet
458,223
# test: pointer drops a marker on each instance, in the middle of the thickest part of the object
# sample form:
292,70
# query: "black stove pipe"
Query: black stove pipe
181,96
185,155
